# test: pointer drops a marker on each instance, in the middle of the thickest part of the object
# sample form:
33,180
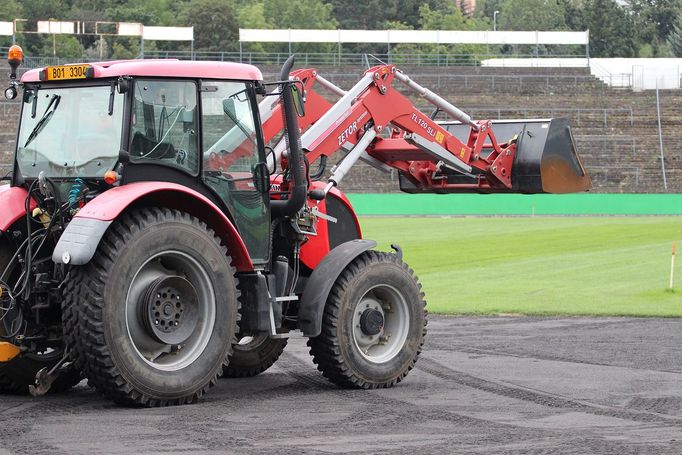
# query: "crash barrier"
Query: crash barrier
516,204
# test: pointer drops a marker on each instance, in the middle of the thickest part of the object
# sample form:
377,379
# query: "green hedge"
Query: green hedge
517,204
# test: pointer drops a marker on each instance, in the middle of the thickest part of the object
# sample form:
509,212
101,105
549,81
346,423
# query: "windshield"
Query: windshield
69,132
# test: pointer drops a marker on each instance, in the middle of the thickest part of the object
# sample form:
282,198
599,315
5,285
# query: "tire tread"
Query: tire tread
325,347
86,305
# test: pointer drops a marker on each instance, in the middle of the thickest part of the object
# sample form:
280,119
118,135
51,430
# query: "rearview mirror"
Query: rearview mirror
297,96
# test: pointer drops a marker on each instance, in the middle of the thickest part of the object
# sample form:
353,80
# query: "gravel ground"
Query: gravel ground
482,385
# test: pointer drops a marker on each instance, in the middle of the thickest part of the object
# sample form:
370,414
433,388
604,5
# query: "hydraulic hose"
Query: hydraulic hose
299,188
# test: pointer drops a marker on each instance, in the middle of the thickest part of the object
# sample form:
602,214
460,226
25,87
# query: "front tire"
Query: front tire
159,309
374,324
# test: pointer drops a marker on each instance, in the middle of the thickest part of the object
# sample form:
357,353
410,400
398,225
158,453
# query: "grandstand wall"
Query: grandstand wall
616,130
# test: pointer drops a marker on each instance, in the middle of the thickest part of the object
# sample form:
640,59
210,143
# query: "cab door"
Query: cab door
234,161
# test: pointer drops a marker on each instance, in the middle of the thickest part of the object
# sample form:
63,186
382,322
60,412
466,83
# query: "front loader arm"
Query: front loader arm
375,120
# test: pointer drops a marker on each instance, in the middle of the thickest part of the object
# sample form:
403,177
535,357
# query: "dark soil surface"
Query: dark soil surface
482,385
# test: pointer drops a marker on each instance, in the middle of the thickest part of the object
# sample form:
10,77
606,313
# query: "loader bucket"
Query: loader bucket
546,160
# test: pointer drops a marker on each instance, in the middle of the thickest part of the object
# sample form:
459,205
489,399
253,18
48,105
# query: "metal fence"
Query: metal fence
307,58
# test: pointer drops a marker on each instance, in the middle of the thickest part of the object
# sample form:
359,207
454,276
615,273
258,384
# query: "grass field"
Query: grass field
540,265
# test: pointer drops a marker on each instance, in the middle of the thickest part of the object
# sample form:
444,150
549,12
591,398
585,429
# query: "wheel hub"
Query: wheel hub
169,309
372,322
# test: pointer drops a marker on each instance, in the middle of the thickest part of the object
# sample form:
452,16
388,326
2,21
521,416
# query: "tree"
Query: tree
310,14
10,10
215,24
675,40
612,31
572,14
654,21
364,15
657,17
531,15
408,11
305,14
449,18
375,14
65,46
485,9
252,15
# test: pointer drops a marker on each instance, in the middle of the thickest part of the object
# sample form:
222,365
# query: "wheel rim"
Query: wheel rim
381,323
249,343
187,328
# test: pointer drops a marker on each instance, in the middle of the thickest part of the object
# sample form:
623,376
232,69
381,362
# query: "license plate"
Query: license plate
58,73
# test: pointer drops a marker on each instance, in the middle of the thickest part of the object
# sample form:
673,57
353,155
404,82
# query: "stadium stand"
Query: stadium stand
616,130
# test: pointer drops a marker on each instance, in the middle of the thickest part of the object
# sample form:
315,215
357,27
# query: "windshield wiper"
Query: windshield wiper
47,115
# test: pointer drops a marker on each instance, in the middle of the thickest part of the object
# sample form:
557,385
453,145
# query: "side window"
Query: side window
164,124
229,135
230,151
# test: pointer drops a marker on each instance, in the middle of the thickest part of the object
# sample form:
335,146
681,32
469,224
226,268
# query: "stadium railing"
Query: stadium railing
306,58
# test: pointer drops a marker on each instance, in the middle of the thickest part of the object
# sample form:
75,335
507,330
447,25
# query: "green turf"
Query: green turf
541,265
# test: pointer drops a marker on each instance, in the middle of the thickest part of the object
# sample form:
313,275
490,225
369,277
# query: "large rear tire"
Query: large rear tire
374,324
158,309
20,372
253,355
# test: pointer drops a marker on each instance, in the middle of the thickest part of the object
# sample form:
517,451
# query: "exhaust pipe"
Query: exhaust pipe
299,190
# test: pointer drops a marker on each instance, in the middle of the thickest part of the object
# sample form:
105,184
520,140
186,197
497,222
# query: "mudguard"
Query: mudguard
321,282
12,205
81,237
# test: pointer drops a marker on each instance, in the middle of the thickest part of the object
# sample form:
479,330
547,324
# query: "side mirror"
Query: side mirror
261,177
123,85
297,96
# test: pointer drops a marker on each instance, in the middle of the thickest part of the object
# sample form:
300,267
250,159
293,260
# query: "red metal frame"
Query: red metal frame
13,203
317,246
380,106
109,205
165,68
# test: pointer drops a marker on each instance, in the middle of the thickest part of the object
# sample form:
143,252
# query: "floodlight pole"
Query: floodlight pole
495,20
660,138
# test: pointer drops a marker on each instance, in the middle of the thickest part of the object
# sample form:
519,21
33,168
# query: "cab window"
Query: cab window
230,152
164,124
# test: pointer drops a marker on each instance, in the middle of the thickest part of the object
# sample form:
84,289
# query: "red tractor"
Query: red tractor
159,232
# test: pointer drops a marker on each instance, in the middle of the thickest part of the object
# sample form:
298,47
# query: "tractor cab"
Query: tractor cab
196,124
